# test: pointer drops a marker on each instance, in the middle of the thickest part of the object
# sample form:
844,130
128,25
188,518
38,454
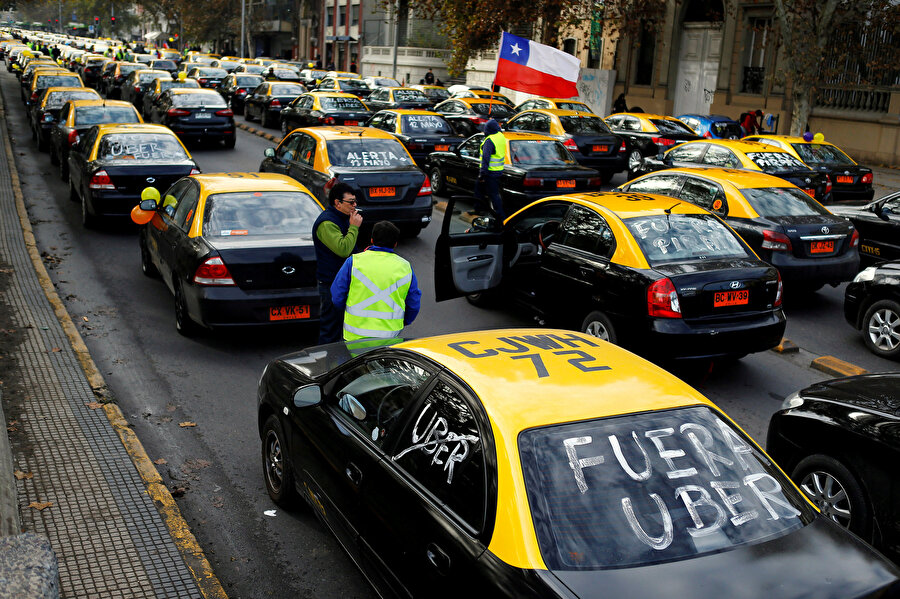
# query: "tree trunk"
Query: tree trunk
800,108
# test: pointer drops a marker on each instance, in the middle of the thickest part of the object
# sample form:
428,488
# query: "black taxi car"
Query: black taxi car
663,278
236,87
199,115
389,184
45,110
268,99
323,108
421,131
76,117
536,166
878,224
648,135
385,98
535,463
468,115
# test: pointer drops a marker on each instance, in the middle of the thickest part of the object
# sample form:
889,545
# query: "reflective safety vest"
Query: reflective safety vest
376,298
499,155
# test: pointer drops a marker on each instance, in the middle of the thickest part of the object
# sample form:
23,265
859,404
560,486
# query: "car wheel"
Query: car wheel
635,161
277,470
484,299
606,176
41,142
598,324
264,119
229,142
835,491
63,169
88,219
183,323
284,128
438,185
54,157
147,266
237,110
248,113
881,329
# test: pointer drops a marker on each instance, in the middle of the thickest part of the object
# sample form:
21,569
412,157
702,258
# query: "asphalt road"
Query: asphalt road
161,379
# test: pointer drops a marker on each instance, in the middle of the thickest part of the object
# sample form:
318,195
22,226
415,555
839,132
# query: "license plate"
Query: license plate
844,179
382,192
600,148
442,148
722,299
821,247
811,193
288,312
566,183
203,115
351,123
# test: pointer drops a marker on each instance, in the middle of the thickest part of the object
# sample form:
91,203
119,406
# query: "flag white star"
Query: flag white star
516,49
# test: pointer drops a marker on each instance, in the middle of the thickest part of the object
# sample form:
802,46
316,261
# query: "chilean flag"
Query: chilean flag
527,66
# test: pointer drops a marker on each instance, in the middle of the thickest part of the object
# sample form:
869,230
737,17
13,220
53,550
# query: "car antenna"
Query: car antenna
668,210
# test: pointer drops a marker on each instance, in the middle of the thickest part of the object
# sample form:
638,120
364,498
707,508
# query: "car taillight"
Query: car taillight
137,88
225,112
854,239
101,180
426,187
202,81
276,103
213,272
779,292
622,148
34,96
478,120
532,182
595,182
241,92
828,184
177,112
773,240
662,300
571,145
195,171
329,184
47,117
73,138
414,146
866,179
664,141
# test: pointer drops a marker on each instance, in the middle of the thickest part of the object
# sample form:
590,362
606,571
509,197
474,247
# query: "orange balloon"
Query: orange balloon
141,217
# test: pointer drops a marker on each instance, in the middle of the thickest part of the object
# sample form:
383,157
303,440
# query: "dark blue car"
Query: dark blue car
713,126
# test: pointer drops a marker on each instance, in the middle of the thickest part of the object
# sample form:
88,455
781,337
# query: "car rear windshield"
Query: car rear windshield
285,74
248,80
409,95
727,130
45,81
92,62
782,201
584,125
670,126
258,213
99,115
186,83
573,106
352,84
538,152
129,68
148,77
420,124
212,72
317,74
210,100
366,153
821,154
140,146
776,162
649,488
166,65
437,94
288,90
341,103
228,64
499,109
57,99
253,68
669,238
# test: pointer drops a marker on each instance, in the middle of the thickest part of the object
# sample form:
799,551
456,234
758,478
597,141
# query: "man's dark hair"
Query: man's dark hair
385,234
337,192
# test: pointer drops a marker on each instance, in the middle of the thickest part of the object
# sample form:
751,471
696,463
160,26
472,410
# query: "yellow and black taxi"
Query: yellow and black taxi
648,135
197,115
388,184
236,87
878,224
111,164
49,78
663,278
280,72
45,110
348,85
553,104
207,76
311,77
91,67
138,82
268,99
468,115
527,463
323,108
158,86
76,117
421,131
850,181
28,74
809,245
113,78
435,93
234,249
584,134
342,74
227,64
535,166
483,94
386,98
250,69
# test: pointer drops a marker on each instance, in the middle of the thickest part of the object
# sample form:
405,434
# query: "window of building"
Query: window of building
329,16
758,39
570,46
646,51
342,19
354,15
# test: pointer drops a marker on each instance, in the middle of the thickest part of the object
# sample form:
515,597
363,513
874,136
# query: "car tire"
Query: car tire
54,157
606,176
41,142
438,185
597,324
147,266
229,142
484,299
410,231
63,169
248,113
881,329
264,119
635,162
277,469
88,220
817,475
183,323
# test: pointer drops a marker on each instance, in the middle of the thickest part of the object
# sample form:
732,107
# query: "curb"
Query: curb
187,544
258,132
836,367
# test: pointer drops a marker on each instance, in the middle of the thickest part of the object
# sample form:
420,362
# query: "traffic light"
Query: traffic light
96,20
112,20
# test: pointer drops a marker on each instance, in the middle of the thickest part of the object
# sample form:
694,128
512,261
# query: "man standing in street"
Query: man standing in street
493,155
429,78
334,237
377,290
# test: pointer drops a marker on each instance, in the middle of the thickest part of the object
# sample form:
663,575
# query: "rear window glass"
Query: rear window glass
820,153
649,488
543,152
260,213
584,125
418,124
211,100
285,74
409,95
129,68
669,126
99,115
288,90
684,238
437,94
367,153
574,106
92,62
496,110
341,104
228,64
317,74
352,84
212,72
140,146
782,201
187,83
148,77
57,99
253,68
45,81
727,130
248,80
166,65
774,162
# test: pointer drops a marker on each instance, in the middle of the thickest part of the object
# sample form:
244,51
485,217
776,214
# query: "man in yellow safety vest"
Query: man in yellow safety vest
493,155
376,289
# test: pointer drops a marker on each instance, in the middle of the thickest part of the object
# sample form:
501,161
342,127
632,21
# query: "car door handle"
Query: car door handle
479,258
438,559
353,473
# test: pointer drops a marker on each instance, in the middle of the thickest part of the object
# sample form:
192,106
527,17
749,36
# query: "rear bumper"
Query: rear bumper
862,196
419,212
112,203
615,162
216,307
816,271
203,132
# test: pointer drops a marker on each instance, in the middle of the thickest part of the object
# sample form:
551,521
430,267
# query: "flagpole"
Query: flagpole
500,49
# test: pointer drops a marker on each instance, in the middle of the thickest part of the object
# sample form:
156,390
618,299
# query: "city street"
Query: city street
161,379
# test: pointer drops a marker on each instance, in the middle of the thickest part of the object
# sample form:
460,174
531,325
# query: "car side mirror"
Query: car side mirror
310,395
148,205
484,223
269,152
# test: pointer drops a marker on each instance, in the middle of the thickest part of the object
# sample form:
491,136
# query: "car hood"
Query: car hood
877,392
820,560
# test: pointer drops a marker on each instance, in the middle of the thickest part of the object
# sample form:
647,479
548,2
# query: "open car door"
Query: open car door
468,256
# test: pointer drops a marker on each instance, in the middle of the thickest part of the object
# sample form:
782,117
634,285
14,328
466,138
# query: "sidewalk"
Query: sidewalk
82,479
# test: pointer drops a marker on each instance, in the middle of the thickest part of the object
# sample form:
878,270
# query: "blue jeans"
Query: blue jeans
490,190
330,322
